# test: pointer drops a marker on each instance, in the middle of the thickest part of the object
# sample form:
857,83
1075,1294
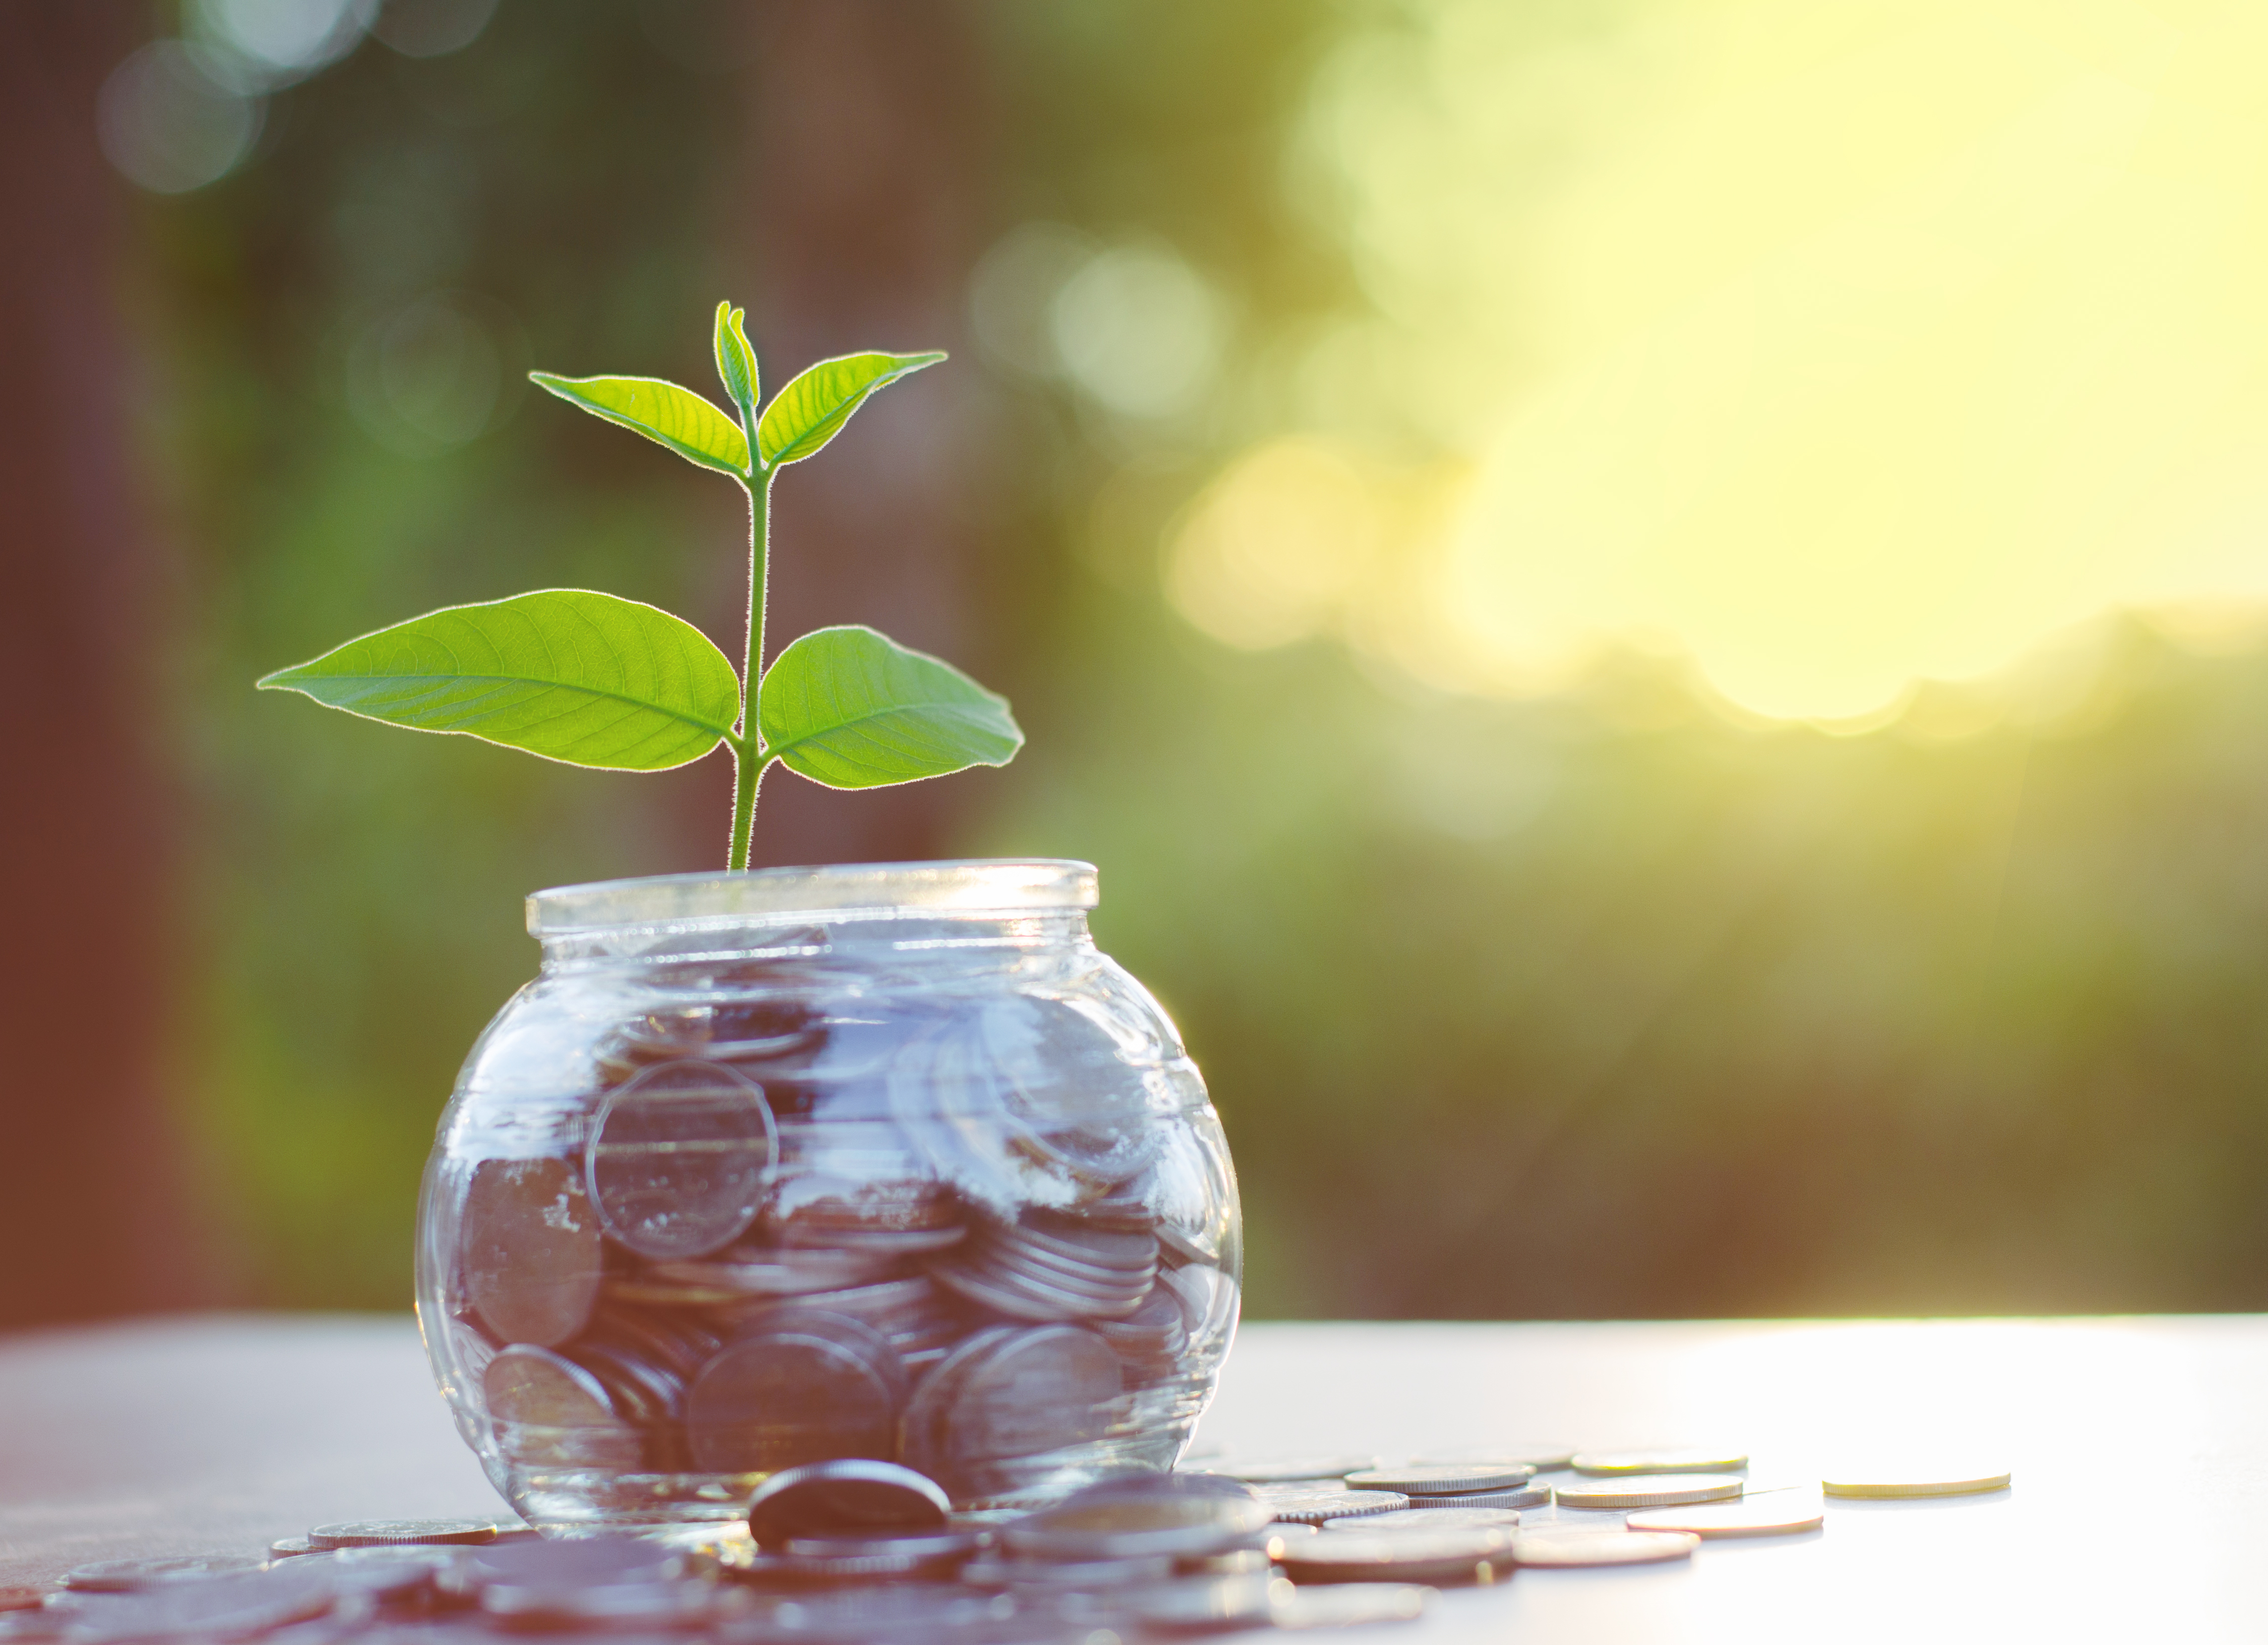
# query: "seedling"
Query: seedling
592,679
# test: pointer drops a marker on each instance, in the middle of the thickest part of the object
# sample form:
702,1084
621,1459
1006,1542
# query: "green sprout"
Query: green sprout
592,679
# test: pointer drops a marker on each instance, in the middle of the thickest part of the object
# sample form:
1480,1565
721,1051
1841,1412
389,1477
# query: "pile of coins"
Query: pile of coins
972,1237
859,1549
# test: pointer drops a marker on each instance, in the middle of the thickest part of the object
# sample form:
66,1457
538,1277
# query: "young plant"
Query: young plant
591,679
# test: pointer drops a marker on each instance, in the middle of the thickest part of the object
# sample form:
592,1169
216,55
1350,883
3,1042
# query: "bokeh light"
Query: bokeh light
1835,347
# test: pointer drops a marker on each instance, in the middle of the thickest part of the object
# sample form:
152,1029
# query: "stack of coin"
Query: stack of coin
1046,1265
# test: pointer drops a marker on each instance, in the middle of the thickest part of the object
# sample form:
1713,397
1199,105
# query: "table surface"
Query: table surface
2140,1454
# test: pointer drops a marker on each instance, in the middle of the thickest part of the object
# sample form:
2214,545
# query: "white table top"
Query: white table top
2140,1447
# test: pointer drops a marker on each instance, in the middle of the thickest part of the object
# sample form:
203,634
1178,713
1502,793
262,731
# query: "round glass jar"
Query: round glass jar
880,1160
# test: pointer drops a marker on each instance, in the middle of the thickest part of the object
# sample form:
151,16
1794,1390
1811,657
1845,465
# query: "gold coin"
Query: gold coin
1659,1459
1908,1480
1780,1513
1648,1490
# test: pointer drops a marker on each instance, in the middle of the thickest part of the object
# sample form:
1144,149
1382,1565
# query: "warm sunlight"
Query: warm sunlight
1836,345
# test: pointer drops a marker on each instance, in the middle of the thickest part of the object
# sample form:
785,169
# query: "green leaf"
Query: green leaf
852,709
676,417
736,362
816,403
573,676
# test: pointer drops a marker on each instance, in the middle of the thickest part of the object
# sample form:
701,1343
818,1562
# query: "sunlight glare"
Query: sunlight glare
1835,346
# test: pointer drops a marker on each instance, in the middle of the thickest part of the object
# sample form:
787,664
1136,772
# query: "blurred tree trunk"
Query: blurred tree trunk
93,1215
863,213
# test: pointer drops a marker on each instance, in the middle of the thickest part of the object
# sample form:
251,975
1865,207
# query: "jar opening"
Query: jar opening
985,884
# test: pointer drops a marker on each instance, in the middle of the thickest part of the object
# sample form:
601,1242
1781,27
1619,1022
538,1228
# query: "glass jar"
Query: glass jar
867,1161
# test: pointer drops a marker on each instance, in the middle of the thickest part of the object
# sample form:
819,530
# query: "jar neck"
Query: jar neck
904,936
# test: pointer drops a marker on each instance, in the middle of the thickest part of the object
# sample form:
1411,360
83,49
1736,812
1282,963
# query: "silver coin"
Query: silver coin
844,1497
1959,1479
1019,1393
1471,1555
1182,1525
755,1271
1348,1605
1430,1519
1314,1508
290,1547
679,1158
548,1410
861,1559
1649,1490
1155,1330
1016,1300
1279,1470
1774,1514
1571,1550
127,1576
1441,1479
1076,1243
804,1386
529,1245
1529,1495
374,1533
1663,1459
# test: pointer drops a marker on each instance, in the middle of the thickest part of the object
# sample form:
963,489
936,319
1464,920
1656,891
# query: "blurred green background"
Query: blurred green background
1603,996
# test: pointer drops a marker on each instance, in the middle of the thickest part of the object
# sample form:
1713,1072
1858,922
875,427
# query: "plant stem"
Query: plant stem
748,756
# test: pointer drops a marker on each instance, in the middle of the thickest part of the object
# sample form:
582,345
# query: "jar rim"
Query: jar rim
971,884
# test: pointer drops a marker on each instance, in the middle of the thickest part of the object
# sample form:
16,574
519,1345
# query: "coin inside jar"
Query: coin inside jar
1005,1394
529,1247
802,1385
548,1409
679,1158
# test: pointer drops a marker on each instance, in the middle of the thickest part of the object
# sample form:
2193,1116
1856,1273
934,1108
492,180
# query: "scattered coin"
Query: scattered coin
1415,1518
1649,1490
937,1553
375,1534
1348,1605
845,1497
1440,1478
23,1598
1670,1459
1470,1555
1180,1525
1922,1481
1314,1507
1582,1549
1530,1495
290,1547
1777,1513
